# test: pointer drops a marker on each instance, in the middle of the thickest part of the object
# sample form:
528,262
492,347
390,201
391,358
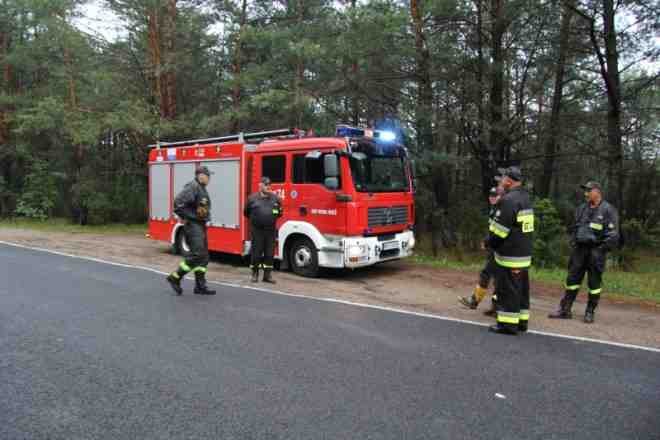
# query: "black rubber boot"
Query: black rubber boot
175,282
590,310
503,329
589,316
267,276
565,306
522,326
468,301
200,285
255,275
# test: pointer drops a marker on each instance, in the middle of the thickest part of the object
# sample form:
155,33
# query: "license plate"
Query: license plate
390,245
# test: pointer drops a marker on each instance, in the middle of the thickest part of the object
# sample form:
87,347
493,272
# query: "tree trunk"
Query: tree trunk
612,80
554,126
424,116
424,111
236,70
6,84
169,71
4,132
300,71
355,100
609,71
484,153
497,129
155,57
68,63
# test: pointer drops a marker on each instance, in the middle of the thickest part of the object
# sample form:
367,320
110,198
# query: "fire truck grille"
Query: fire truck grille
386,216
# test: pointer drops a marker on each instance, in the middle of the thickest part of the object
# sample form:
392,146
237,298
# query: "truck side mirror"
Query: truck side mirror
331,183
331,165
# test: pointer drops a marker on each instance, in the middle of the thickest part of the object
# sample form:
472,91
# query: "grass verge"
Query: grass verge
62,225
643,283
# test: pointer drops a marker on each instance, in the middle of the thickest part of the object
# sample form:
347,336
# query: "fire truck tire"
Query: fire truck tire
304,258
180,245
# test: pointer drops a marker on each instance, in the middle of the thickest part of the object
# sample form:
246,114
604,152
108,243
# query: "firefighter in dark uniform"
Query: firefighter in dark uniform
511,240
263,208
481,289
594,233
193,206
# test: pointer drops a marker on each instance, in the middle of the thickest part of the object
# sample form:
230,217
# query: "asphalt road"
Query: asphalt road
95,351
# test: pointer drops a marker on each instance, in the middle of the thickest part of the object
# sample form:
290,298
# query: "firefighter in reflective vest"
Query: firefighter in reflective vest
193,206
511,240
488,271
263,208
594,233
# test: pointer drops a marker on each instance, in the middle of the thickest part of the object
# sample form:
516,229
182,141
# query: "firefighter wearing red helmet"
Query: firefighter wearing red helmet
193,206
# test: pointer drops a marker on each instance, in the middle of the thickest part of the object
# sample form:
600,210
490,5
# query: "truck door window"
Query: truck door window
274,168
307,170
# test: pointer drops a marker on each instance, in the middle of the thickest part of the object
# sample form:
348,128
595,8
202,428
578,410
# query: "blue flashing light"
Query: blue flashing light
386,141
348,131
386,136
367,133
393,129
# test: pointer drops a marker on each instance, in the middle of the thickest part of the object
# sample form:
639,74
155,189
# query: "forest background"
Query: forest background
567,89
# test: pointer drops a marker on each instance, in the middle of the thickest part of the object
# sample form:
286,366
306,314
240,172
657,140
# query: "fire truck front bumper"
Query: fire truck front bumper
365,251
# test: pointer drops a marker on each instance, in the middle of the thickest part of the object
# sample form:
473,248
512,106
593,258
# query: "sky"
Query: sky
100,21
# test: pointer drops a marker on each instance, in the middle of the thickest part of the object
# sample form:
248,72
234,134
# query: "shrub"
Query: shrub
548,234
39,192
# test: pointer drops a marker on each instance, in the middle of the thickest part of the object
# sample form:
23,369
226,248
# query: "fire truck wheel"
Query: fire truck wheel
303,258
180,244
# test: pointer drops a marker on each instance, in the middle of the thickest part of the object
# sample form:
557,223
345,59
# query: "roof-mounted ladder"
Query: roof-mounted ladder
241,137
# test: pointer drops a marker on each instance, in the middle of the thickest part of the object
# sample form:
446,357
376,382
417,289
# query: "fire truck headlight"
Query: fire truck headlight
411,242
357,250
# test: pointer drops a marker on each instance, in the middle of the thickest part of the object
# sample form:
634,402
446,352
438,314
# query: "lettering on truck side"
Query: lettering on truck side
316,211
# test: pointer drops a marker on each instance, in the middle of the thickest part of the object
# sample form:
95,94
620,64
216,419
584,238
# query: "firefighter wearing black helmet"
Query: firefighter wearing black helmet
511,240
263,208
594,233
193,206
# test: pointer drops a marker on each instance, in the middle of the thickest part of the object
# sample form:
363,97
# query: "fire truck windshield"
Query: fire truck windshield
373,173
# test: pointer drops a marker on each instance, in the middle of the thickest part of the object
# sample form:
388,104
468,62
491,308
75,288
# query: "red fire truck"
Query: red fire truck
348,199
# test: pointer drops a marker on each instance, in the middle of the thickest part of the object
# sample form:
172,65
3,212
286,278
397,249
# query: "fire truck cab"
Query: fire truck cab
347,200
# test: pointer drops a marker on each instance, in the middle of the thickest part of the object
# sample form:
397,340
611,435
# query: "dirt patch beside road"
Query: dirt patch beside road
400,285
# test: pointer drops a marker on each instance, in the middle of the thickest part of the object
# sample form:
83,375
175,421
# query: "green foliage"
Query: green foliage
64,225
87,107
471,224
638,235
548,234
641,284
39,192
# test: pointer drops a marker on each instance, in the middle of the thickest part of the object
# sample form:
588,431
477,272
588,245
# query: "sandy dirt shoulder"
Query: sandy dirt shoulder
400,285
